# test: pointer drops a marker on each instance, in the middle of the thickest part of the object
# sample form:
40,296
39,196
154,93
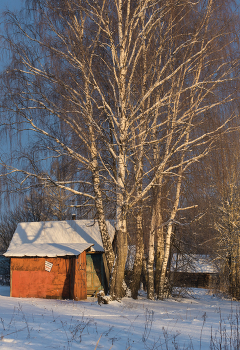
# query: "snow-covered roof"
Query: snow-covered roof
48,249
56,236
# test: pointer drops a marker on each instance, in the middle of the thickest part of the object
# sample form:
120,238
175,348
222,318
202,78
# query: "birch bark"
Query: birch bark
141,67
121,204
165,259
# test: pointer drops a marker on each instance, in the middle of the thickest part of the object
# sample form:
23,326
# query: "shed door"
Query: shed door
95,273
79,277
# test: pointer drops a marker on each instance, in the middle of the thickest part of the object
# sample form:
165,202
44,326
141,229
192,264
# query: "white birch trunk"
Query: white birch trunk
121,205
107,244
159,249
168,237
138,262
154,230
151,254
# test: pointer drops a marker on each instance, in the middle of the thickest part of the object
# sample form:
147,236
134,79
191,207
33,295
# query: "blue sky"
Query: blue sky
10,4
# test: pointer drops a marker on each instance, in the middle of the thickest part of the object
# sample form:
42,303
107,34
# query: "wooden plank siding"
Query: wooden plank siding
194,280
66,280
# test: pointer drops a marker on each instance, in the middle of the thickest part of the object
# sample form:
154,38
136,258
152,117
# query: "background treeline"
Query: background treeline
127,110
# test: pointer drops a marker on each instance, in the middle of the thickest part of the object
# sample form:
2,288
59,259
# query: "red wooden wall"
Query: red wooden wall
66,280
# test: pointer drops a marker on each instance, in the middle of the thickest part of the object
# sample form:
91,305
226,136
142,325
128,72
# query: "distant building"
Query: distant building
194,271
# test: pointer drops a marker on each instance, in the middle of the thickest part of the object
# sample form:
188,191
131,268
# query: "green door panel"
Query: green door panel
95,273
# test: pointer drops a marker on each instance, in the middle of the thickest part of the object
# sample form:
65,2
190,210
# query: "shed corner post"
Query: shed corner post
72,277
10,277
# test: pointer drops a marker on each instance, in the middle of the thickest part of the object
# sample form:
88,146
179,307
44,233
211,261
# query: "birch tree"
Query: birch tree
184,108
122,89
224,201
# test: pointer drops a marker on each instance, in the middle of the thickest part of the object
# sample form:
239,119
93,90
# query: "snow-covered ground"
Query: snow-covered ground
142,324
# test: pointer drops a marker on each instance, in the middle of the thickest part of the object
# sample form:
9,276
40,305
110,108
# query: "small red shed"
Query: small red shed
52,271
57,259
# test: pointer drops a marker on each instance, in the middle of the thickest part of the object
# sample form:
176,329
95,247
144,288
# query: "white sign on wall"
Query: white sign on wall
48,266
